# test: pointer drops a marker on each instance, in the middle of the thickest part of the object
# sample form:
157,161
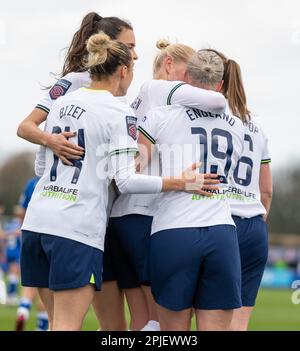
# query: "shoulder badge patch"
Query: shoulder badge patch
131,122
59,89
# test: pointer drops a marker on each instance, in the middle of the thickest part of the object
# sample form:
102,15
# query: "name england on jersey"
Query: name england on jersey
195,114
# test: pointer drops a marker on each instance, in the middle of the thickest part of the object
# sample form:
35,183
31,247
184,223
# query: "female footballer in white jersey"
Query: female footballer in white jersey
169,65
194,255
62,249
250,196
131,215
109,303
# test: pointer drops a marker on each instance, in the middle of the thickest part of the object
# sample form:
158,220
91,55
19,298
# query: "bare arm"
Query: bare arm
58,143
29,128
266,187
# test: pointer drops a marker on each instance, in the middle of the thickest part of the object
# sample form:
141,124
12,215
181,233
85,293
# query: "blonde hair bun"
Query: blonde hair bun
162,44
98,46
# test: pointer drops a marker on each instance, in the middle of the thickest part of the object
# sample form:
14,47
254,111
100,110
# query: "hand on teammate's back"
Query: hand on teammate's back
199,183
63,148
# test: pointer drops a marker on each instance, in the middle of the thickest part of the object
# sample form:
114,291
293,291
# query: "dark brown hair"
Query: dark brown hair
105,56
233,87
91,24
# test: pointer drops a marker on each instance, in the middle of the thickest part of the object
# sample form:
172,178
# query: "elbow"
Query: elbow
20,130
122,185
268,194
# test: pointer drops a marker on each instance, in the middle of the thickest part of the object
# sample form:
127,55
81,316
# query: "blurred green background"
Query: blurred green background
274,311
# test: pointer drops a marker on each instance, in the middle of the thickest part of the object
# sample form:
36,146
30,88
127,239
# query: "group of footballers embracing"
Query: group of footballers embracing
163,203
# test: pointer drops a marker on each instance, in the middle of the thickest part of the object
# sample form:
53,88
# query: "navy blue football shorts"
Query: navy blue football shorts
109,269
130,249
49,261
253,242
196,267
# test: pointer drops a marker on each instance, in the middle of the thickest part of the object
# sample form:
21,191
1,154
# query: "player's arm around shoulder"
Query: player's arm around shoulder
29,129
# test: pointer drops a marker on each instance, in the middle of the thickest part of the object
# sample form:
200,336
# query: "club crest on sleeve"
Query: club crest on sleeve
131,126
59,89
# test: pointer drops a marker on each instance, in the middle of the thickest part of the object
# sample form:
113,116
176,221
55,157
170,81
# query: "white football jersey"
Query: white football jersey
71,202
70,82
244,192
155,93
185,136
65,85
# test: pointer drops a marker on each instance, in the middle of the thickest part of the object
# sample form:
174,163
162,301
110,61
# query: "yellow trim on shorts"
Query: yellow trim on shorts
92,280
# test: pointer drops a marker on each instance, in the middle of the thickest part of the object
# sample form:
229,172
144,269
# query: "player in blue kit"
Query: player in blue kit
29,294
13,244
3,292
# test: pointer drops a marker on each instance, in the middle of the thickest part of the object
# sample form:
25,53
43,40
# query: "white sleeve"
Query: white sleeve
67,84
128,182
156,92
202,99
123,135
40,161
141,103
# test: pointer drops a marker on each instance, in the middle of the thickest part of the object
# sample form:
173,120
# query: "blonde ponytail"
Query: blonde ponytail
233,87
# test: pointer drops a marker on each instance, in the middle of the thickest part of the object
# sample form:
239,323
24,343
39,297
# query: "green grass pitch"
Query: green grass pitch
274,311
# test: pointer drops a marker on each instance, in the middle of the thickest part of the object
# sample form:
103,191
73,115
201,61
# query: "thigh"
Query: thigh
213,320
35,265
71,302
219,283
175,258
240,319
108,305
174,320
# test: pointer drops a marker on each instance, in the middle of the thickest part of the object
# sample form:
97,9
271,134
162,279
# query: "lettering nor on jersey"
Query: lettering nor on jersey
69,201
244,192
152,94
186,136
